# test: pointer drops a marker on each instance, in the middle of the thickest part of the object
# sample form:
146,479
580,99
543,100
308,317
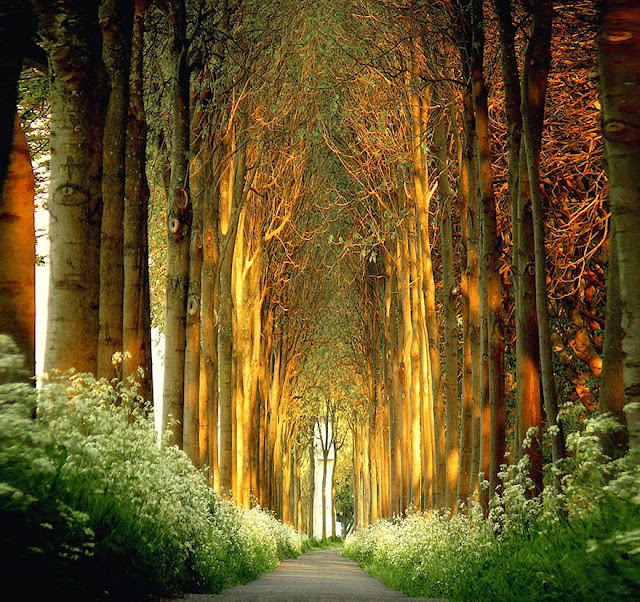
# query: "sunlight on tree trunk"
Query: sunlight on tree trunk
72,41
18,250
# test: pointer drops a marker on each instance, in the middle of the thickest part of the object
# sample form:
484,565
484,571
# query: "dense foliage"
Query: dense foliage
582,544
90,503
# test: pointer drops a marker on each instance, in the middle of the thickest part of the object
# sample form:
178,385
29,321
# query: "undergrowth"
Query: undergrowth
92,507
322,544
581,545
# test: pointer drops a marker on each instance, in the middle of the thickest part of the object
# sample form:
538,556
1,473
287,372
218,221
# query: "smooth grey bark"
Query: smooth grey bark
72,38
619,68
178,235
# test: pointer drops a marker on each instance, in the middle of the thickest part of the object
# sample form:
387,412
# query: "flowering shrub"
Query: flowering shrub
92,506
581,544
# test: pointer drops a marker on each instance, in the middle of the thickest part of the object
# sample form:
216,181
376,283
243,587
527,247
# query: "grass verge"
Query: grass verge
581,545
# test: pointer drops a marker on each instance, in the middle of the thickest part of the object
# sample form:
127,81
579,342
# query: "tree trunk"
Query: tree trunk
619,66
18,251
452,438
430,394
534,81
492,302
231,203
469,290
405,338
116,22
611,379
16,26
136,297
191,433
528,402
312,488
528,393
225,366
420,398
325,455
209,339
178,235
72,38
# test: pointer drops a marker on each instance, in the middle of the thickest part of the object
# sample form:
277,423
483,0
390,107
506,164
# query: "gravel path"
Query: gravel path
314,576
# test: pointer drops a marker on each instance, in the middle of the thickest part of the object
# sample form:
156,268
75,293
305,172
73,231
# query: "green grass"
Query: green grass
92,507
323,544
573,561
524,550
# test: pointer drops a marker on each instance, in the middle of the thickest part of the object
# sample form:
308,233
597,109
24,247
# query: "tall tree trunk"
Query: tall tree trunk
420,400
16,27
492,302
534,82
406,336
392,378
18,251
195,435
136,308
179,233
431,392
528,402
450,382
295,477
209,338
374,455
232,193
191,430
325,456
225,363
312,487
241,354
528,439
72,38
619,66
471,292
469,289
116,22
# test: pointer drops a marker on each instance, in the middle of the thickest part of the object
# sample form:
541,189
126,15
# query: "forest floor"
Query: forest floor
314,576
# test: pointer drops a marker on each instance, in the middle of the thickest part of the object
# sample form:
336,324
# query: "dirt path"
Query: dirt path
314,576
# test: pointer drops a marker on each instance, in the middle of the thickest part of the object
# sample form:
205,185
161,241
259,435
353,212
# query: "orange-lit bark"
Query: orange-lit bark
493,416
528,400
18,250
535,77
450,381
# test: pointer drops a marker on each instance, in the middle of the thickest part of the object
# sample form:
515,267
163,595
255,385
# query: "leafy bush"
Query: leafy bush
583,544
92,506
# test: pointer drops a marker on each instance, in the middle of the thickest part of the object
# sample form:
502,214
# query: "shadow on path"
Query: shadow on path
319,575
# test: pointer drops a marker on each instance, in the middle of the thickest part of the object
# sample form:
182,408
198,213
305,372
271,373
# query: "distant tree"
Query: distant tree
344,505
